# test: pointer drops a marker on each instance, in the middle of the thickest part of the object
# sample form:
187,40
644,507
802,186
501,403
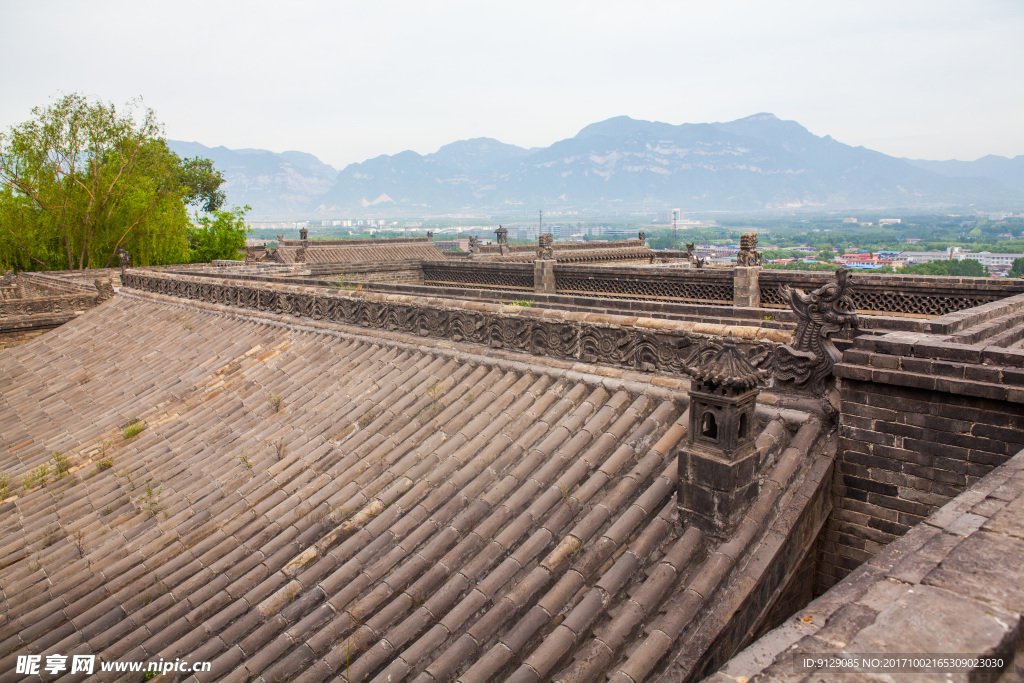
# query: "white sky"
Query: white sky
348,80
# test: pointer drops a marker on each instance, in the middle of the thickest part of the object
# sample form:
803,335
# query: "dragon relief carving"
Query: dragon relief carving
809,357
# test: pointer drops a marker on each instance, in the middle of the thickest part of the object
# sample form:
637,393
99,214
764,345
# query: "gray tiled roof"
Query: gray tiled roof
410,513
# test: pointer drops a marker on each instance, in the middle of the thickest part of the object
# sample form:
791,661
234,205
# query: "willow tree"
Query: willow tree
80,180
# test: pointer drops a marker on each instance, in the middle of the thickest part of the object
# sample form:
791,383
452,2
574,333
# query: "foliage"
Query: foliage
219,235
81,179
1017,270
965,268
5,485
801,265
276,403
133,428
60,465
150,498
36,477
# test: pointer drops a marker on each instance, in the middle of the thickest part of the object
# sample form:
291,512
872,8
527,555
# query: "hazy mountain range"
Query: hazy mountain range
758,162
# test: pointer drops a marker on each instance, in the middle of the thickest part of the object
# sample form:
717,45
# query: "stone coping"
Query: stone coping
952,584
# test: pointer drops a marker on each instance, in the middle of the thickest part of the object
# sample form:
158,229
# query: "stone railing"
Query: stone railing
902,295
489,275
920,295
646,344
701,285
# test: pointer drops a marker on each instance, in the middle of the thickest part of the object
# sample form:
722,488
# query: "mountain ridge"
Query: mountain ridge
756,162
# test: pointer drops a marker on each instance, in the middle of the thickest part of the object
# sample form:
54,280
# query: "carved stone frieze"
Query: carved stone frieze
671,352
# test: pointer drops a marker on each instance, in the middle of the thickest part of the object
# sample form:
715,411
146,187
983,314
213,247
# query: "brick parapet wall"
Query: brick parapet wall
922,419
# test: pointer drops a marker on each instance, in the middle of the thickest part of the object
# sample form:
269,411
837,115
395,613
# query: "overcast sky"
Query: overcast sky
351,80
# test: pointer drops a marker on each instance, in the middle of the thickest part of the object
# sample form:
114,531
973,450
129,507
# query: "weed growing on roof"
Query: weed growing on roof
36,477
104,464
369,417
60,465
525,303
276,403
79,541
133,428
5,485
244,459
417,596
433,391
343,283
185,323
151,498
563,491
51,534
106,511
281,448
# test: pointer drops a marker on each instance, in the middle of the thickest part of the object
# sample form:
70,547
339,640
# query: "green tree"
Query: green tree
219,235
965,268
80,180
1017,269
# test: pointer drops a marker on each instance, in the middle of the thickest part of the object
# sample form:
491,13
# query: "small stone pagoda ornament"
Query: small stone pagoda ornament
718,464
502,235
126,259
748,254
809,357
545,251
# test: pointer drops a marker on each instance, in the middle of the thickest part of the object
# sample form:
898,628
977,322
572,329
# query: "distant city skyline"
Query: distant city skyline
350,81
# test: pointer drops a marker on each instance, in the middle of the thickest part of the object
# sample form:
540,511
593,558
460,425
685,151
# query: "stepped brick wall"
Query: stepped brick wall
923,417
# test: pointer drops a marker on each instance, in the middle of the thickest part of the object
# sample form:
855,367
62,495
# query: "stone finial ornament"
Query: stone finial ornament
502,235
809,357
126,259
545,251
748,254
430,235
643,238
474,245
727,371
8,278
303,234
